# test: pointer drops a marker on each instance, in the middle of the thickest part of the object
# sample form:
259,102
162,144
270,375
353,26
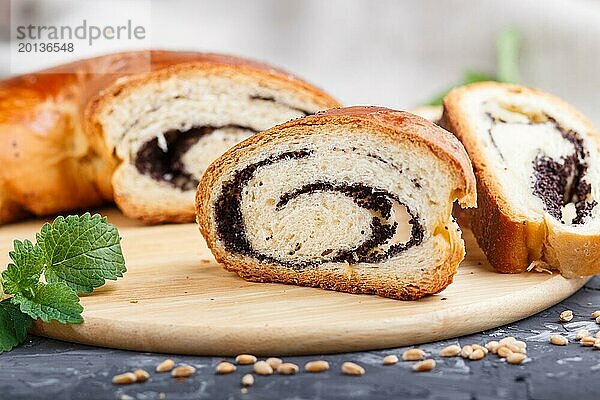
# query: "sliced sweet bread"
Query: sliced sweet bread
355,199
166,127
138,128
538,177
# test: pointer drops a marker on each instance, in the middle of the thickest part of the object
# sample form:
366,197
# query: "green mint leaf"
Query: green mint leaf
13,325
507,55
81,251
52,301
27,266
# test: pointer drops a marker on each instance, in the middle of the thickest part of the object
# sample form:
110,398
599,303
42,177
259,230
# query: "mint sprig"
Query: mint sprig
52,301
27,267
81,251
74,255
13,325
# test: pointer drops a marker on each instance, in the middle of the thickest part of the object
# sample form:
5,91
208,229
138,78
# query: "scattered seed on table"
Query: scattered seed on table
390,359
413,355
183,371
492,346
558,340
504,351
566,316
580,334
477,355
507,340
466,351
245,359
515,349
588,341
165,366
274,362
225,367
316,366
476,346
450,351
141,375
288,369
248,380
516,358
350,368
520,343
424,366
124,379
262,368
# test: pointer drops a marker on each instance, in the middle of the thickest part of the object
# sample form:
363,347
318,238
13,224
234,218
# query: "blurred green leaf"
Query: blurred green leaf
468,77
507,65
476,76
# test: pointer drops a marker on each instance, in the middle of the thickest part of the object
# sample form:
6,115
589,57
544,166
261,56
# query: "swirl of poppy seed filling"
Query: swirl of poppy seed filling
163,161
166,164
231,232
559,182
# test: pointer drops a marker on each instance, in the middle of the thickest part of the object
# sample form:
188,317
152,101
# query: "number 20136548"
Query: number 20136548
44,47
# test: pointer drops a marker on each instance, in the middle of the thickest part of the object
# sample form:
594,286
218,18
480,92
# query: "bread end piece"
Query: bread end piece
513,242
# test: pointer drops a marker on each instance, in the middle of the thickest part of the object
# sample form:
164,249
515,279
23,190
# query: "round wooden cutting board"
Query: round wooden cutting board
176,299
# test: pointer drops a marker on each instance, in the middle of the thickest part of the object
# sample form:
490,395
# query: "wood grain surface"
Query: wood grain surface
176,299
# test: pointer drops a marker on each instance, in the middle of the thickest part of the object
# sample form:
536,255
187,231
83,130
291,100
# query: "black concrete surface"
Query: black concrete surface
49,369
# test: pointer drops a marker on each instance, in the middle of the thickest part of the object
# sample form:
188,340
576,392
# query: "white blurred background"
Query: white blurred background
386,52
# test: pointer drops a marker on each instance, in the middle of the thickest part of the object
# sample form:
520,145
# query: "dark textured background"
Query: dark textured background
44,368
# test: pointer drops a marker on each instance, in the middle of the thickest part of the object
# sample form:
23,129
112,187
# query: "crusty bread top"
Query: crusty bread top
100,71
166,63
404,125
90,81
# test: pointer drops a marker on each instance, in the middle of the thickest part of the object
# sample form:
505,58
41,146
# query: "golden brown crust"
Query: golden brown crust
52,143
575,255
9,210
166,63
510,242
132,209
404,125
500,238
386,123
